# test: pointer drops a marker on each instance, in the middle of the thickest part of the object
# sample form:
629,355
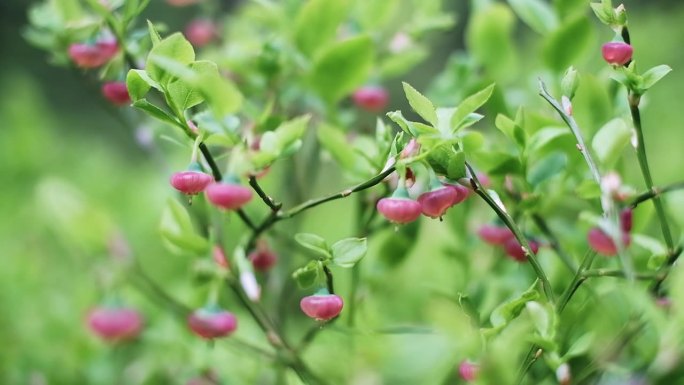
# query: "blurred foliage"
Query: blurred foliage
80,179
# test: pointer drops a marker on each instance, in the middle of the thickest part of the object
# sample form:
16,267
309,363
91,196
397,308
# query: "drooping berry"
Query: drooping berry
461,192
228,195
371,98
115,324
116,92
468,370
86,55
617,53
263,258
200,32
210,323
322,307
435,203
626,217
191,182
603,244
495,235
515,250
399,210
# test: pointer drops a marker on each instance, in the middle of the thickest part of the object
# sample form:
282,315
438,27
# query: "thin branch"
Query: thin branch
270,202
554,243
620,274
654,192
510,223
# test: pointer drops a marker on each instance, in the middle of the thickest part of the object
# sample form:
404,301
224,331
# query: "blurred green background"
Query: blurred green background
76,173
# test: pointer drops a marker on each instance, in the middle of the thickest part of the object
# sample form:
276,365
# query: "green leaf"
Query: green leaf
139,83
568,43
314,243
580,347
512,130
175,47
154,35
652,76
544,137
510,310
342,67
420,104
547,167
308,275
588,189
347,252
317,23
469,105
177,229
456,168
411,128
185,95
610,140
155,112
335,142
537,14
489,39
543,318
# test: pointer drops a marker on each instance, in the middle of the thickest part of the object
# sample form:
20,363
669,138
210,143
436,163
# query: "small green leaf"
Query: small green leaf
420,104
542,138
314,243
469,105
155,112
185,95
512,130
580,347
175,47
568,43
347,252
317,22
139,83
154,35
588,189
335,142
652,76
507,311
547,167
177,229
308,275
456,168
342,67
610,140
543,318
537,14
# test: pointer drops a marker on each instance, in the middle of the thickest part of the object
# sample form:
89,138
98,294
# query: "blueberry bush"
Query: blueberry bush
502,223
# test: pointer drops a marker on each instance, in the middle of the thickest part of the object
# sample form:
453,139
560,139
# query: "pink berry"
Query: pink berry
228,196
514,249
603,244
371,98
495,235
210,324
191,182
436,202
93,55
263,258
399,210
200,32
114,324
468,370
322,307
461,192
626,220
116,92
617,53
220,257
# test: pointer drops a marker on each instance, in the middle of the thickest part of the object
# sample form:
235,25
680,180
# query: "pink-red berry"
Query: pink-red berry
228,196
399,210
515,250
626,218
436,202
115,324
322,307
211,323
617,53
191,182
86,55
116,93
200,32
263,258
468,370
495,235
603,244
371,98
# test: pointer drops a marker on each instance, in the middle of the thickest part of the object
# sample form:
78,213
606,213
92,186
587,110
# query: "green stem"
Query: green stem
634,101
620,274
554,243
510,223
270,202
654,192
